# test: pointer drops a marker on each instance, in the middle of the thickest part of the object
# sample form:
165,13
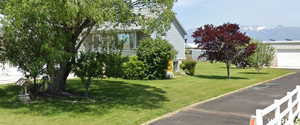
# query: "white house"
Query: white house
287,54
131,37
175,35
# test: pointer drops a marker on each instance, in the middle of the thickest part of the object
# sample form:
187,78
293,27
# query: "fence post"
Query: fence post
290,108
252,120
277,112
259,117
298,101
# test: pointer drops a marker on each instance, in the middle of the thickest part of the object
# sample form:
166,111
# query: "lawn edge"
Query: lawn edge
214,98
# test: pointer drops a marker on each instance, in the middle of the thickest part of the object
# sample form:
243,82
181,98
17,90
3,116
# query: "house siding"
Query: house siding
175,38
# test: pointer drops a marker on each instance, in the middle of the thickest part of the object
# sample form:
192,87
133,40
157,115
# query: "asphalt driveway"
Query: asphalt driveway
234,109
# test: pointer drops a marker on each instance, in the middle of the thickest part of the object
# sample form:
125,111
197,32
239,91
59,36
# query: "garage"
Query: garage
288,59
287,54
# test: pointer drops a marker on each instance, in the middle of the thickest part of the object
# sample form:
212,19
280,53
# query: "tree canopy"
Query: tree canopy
263,56
51,32
221,43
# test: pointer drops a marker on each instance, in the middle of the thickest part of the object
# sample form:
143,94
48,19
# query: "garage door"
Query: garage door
288,59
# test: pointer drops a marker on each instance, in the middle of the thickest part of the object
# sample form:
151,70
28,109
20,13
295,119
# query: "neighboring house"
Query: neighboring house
193,52
287,54
131,38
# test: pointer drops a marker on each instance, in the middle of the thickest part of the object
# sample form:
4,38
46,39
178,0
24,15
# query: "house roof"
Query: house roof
282,42
284,45
109,26
180,27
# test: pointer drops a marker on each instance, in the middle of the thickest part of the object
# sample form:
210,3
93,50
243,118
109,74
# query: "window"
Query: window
106,42
129,40
125,39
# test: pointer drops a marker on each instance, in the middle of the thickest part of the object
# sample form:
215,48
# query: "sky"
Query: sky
195,13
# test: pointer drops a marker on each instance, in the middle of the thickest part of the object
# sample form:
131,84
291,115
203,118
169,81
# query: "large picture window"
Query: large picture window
105,42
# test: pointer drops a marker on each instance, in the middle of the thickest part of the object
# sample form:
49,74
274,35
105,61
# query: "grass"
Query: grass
128,102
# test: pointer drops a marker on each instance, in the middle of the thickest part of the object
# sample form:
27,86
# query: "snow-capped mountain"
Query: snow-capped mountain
255,28
266,33
279,33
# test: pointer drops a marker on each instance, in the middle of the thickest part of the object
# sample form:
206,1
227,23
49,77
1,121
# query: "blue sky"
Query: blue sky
195,13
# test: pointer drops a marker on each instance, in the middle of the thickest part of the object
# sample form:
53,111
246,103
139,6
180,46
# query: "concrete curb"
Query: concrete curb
217,97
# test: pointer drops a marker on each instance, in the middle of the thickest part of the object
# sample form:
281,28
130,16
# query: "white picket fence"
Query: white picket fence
282,112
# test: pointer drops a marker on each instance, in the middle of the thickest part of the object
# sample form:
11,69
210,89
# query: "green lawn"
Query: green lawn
127,102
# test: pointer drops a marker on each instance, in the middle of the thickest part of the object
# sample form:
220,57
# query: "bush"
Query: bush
155,54
241,60
134,69
113,64
263,56
89,65
189,67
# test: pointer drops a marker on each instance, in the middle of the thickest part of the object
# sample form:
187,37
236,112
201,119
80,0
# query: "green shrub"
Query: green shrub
114,64
88,65
134,69
155,54
263,56
189,67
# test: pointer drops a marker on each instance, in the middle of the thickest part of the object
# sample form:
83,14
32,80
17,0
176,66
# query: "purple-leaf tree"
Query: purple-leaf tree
222,43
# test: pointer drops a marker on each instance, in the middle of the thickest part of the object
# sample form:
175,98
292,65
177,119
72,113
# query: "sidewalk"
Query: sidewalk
234,109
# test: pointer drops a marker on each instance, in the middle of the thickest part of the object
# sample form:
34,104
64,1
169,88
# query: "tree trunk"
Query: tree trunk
34,80
228,63
59,78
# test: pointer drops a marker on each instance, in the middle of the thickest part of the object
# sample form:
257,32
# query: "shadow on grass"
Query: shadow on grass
106,95
217,77
254,73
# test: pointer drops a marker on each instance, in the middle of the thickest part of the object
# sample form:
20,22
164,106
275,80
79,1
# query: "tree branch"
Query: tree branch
84,37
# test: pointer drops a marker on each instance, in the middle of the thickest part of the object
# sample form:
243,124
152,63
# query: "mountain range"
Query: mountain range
266,33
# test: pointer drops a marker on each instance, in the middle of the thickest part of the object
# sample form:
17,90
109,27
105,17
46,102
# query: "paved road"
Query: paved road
234,109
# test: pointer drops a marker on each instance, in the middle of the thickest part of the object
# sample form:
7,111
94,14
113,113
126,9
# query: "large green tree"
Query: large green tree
51,32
